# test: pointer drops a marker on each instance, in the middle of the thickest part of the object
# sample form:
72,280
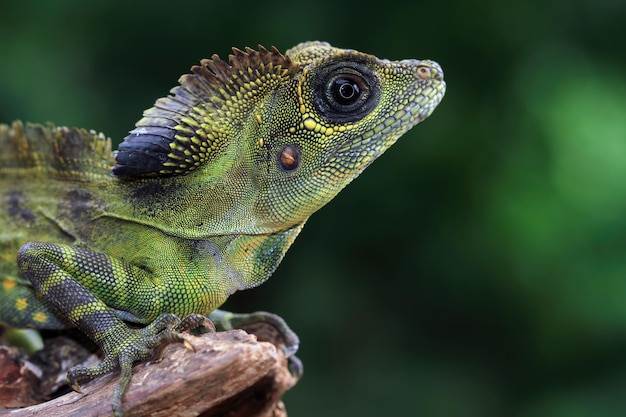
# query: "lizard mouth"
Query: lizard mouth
360,150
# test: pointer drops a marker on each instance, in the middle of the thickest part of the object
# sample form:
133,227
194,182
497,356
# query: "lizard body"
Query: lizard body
202,199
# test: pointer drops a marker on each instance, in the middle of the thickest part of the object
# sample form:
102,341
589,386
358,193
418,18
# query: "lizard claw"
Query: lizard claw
134,345
267,327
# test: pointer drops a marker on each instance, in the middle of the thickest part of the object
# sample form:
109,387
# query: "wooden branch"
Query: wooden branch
230,373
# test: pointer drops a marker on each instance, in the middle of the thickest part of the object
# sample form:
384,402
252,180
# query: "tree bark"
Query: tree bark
230,373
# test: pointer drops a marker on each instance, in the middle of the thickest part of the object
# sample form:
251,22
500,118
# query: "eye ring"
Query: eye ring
346,91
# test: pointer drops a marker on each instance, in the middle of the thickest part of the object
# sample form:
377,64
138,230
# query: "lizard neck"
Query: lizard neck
192,207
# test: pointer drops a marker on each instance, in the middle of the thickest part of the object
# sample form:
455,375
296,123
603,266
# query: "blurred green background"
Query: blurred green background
479,267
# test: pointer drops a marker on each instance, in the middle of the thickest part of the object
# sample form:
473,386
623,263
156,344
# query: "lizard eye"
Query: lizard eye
289,158
346,92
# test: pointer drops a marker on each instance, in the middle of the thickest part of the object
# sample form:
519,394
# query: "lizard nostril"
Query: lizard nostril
429,69
423,72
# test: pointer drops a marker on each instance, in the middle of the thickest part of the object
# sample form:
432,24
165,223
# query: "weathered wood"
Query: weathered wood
230,373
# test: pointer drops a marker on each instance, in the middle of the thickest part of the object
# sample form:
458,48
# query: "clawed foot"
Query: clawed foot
278,332
124,346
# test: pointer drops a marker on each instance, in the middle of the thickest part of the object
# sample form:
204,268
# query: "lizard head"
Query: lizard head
347,108
280,135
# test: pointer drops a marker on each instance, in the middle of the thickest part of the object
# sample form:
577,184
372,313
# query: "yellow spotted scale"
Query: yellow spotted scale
202,199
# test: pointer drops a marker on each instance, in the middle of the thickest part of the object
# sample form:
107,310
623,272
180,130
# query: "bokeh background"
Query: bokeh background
479,267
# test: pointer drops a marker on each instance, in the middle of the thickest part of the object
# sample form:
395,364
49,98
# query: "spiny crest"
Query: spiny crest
33,149
183,130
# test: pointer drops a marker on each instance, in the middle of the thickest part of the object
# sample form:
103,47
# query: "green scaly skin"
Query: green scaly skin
202,199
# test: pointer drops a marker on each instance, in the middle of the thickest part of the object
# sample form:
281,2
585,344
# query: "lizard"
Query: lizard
201,199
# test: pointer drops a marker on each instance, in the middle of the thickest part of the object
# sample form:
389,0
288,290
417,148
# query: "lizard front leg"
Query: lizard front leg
86,288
